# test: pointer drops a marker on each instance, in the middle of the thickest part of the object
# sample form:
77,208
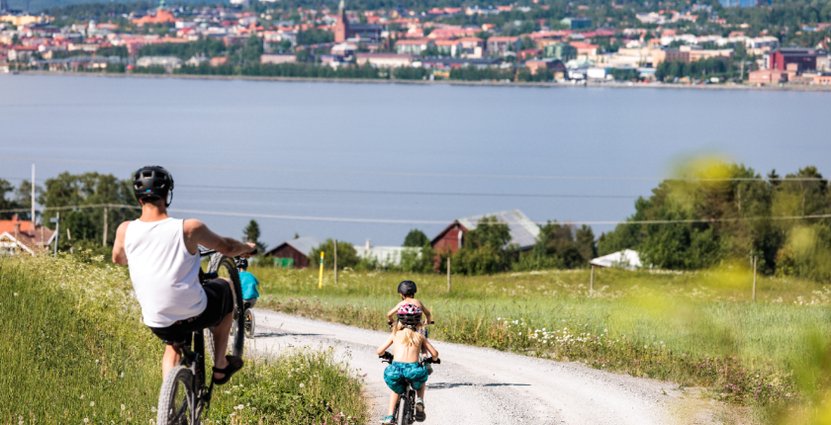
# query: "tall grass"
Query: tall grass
698,329
73,350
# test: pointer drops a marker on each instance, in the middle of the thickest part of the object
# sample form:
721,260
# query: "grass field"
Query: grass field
697,329
73,350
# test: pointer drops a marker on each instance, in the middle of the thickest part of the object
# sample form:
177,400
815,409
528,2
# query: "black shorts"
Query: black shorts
220,303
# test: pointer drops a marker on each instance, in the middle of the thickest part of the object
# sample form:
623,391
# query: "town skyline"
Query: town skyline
696,44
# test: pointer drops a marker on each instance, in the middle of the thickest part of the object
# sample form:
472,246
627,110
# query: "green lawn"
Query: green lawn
73,350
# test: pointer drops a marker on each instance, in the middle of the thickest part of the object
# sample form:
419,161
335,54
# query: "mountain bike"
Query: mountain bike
405,410
186,391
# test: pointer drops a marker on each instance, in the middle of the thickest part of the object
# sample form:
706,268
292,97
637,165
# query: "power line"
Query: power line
408,192
361,220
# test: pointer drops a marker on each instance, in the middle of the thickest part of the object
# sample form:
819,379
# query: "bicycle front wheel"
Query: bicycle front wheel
225,268
176,397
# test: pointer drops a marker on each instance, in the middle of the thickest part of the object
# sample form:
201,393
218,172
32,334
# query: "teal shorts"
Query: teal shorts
397,374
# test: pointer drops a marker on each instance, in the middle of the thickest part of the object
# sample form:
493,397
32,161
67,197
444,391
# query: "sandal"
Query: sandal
234,364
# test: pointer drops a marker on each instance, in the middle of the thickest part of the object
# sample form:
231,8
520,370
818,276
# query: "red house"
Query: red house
18,236
523,230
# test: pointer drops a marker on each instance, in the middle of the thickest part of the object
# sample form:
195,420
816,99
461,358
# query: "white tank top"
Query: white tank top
165,275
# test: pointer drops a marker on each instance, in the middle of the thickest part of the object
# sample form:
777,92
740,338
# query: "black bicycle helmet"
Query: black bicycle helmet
407,288
153,182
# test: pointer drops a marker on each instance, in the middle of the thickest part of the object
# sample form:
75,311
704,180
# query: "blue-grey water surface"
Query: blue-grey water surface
381,153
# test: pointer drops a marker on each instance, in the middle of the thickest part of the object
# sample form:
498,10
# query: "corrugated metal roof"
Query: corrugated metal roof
304,244
626,259
524,231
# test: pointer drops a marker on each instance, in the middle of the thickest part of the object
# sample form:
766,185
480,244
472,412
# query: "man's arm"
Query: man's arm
197,233
119,255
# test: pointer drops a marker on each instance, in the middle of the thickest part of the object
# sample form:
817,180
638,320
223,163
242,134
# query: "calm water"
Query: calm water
396,157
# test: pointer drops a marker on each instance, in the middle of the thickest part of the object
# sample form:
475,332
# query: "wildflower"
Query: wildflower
302,385
91,404
123,407
239,407
86,420
15,294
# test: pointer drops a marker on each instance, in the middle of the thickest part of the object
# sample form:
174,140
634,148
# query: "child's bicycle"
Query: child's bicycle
185,394
404,413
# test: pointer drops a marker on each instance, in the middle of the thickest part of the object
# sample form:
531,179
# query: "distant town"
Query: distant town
748,43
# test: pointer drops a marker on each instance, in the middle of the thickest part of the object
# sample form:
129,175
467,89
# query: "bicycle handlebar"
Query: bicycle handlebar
387,358
213,251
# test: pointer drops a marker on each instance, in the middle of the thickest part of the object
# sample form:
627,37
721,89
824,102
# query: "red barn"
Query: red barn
295,252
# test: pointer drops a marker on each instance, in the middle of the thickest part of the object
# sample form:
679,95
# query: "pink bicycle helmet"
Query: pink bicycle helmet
409,314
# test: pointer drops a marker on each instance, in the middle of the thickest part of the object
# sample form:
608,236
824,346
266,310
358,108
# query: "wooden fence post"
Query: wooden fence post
448,273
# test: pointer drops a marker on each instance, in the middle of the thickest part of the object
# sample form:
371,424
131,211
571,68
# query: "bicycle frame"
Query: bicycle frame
194,359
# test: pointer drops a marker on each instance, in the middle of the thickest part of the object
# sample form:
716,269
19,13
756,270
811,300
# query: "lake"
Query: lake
371,161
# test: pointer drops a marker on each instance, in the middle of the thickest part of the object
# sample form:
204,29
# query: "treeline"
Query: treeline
702,69
718,212
81,226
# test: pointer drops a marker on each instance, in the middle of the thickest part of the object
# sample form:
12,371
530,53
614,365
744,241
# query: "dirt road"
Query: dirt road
482,386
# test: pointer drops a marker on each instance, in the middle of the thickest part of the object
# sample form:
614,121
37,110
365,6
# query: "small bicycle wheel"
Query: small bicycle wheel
225,268
249,323
175,398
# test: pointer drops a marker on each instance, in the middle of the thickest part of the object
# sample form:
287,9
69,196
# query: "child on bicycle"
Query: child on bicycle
249,284
405,367
407,289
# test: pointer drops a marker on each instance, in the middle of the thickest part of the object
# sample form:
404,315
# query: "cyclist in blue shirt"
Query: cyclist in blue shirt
249,284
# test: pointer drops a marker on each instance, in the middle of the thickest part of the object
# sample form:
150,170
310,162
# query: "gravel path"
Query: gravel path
484,386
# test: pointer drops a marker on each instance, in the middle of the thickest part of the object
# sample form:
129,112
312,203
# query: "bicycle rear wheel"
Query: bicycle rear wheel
176,397
406,415
225,268
249,323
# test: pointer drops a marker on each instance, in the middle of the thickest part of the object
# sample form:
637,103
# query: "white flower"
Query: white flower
86,420
123,407
15,294
302,385
92,404
239,407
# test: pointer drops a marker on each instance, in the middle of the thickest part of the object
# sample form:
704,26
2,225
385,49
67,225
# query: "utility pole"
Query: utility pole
106,216
57,221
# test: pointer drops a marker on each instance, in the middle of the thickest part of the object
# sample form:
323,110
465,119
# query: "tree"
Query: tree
486,249
418,260
347,256
87,194
6,188
416,239
251,233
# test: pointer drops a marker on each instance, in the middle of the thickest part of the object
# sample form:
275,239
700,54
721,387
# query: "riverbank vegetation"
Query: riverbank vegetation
74,350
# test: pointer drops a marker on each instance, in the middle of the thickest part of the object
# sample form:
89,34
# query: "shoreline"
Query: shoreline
549,85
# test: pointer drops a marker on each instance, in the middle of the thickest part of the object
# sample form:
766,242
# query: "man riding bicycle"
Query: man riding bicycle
162,254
